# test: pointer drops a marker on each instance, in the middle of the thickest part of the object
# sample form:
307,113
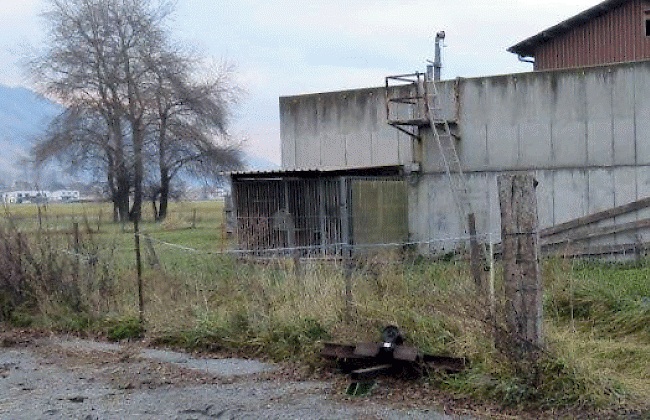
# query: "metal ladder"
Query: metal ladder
446,142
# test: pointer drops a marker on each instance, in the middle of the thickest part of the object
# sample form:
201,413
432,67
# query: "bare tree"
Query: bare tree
189,128
81,141
109,61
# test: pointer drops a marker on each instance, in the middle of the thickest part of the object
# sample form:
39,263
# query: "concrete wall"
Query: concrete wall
585,133
340,130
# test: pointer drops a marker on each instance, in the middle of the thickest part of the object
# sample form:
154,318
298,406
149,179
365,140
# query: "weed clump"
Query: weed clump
551,383
35,279
124,329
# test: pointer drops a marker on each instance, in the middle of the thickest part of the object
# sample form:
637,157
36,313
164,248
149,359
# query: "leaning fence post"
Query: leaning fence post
152,257
520,250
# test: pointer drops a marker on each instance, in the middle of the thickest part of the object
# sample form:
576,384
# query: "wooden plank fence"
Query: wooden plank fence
572,237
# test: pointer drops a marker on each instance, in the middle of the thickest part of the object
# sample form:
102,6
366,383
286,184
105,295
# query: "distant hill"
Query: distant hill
24,115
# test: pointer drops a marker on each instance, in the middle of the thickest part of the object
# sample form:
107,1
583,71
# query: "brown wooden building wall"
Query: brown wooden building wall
619,35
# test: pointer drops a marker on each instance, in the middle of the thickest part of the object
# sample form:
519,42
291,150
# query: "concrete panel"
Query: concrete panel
624,141
503,146
534,145
623,81
473,106
405,142
307,140
308,152
386,149
601,190
479,200
568,97
494,207
545,201
429,151
418,211
598,93
643,191
601,197
447,102
641,92
534,105
327,113
600,147
642,112
357,150
332,151
404,147
625,192
642,139
288,132
444,223
570,195
503,105
355,113
569,144
473,146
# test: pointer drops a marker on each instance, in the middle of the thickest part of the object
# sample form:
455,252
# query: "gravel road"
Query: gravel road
54,378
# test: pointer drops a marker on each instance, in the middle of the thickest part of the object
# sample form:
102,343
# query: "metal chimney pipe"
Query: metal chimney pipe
437,62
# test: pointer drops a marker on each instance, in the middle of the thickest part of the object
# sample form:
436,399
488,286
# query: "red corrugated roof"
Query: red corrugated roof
526,48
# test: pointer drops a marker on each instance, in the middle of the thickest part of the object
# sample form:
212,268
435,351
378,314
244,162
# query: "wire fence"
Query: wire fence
190,267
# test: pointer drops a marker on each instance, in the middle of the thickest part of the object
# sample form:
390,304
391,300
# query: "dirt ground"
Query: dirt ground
49,377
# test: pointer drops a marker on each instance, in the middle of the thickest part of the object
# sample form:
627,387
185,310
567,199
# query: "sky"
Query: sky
292,47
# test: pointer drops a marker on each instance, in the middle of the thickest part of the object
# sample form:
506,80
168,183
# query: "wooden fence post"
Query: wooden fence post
154,262
75,233
475,256
520,239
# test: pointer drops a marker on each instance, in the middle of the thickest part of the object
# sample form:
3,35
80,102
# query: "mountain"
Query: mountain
24,115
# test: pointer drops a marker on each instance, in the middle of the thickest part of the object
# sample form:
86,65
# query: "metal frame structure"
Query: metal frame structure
309,212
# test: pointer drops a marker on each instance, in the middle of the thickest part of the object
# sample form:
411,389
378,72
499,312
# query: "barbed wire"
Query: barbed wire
320,247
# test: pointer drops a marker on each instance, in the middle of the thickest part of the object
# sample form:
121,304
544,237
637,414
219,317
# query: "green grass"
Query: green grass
597,314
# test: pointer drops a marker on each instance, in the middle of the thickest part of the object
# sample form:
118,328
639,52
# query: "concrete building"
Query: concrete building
65,196
583,131
19,197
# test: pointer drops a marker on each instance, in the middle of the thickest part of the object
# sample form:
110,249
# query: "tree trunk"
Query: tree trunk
164,195
123,189
154,206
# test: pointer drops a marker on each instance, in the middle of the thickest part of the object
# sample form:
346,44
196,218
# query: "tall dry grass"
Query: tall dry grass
596,314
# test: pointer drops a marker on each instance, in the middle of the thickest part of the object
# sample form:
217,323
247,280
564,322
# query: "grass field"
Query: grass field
199,296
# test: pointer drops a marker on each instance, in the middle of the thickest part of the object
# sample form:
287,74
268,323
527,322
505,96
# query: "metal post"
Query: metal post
437,62
321,216
347,249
